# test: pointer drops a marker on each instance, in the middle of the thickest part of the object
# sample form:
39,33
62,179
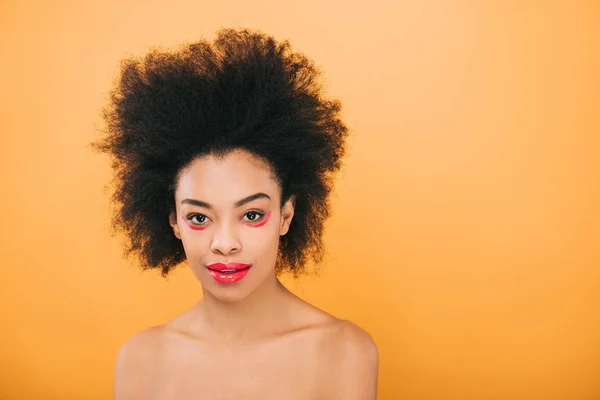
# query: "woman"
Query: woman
224,155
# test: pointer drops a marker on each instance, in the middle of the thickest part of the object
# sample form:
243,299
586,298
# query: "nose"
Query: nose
225,241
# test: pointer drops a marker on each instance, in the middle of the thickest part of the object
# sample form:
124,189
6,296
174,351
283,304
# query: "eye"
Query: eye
197,219
254,216
201,218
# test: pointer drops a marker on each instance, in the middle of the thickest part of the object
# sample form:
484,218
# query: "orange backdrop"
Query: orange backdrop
472,188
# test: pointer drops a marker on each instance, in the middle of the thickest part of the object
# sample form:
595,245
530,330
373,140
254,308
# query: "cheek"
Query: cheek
194,245
265,243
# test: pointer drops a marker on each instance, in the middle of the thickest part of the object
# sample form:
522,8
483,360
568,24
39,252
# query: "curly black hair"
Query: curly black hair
245,90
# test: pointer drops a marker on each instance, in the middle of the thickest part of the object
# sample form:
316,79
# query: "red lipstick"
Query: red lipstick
228,273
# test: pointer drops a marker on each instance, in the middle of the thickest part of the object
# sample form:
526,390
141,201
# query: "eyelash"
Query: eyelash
189,218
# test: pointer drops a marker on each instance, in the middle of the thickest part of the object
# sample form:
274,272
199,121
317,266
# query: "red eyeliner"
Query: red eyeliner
262,223
192,227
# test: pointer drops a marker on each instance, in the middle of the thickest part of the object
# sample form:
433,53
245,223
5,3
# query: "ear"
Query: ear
173,223
287,213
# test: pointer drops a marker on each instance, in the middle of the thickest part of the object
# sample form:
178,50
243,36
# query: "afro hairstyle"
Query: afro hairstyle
245,90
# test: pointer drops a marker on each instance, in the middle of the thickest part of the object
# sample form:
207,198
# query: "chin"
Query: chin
228,296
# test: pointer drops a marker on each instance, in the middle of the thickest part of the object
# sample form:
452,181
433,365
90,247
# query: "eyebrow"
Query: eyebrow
238,203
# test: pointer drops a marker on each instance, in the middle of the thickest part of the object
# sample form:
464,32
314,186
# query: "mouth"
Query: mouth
228,273
228,268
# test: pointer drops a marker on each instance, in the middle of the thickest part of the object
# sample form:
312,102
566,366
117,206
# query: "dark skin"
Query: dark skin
253,339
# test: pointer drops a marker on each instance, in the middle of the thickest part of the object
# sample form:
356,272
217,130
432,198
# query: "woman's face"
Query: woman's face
229,220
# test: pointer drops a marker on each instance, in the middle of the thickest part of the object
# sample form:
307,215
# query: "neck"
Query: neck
261,313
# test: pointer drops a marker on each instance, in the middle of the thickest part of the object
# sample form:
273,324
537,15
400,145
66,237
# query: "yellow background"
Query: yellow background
465,234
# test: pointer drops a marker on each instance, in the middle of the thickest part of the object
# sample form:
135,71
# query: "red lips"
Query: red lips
228,273
226,268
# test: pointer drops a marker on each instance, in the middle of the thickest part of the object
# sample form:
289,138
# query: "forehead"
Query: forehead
226,179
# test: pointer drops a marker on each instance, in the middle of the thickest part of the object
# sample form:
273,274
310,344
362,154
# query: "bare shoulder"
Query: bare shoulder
346,338
355,342
140,358
142,341
356,358
135,361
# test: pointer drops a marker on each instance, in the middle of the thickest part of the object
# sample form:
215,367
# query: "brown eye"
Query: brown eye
200,218
253,216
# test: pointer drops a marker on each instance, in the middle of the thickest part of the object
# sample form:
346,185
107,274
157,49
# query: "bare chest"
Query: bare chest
284,370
